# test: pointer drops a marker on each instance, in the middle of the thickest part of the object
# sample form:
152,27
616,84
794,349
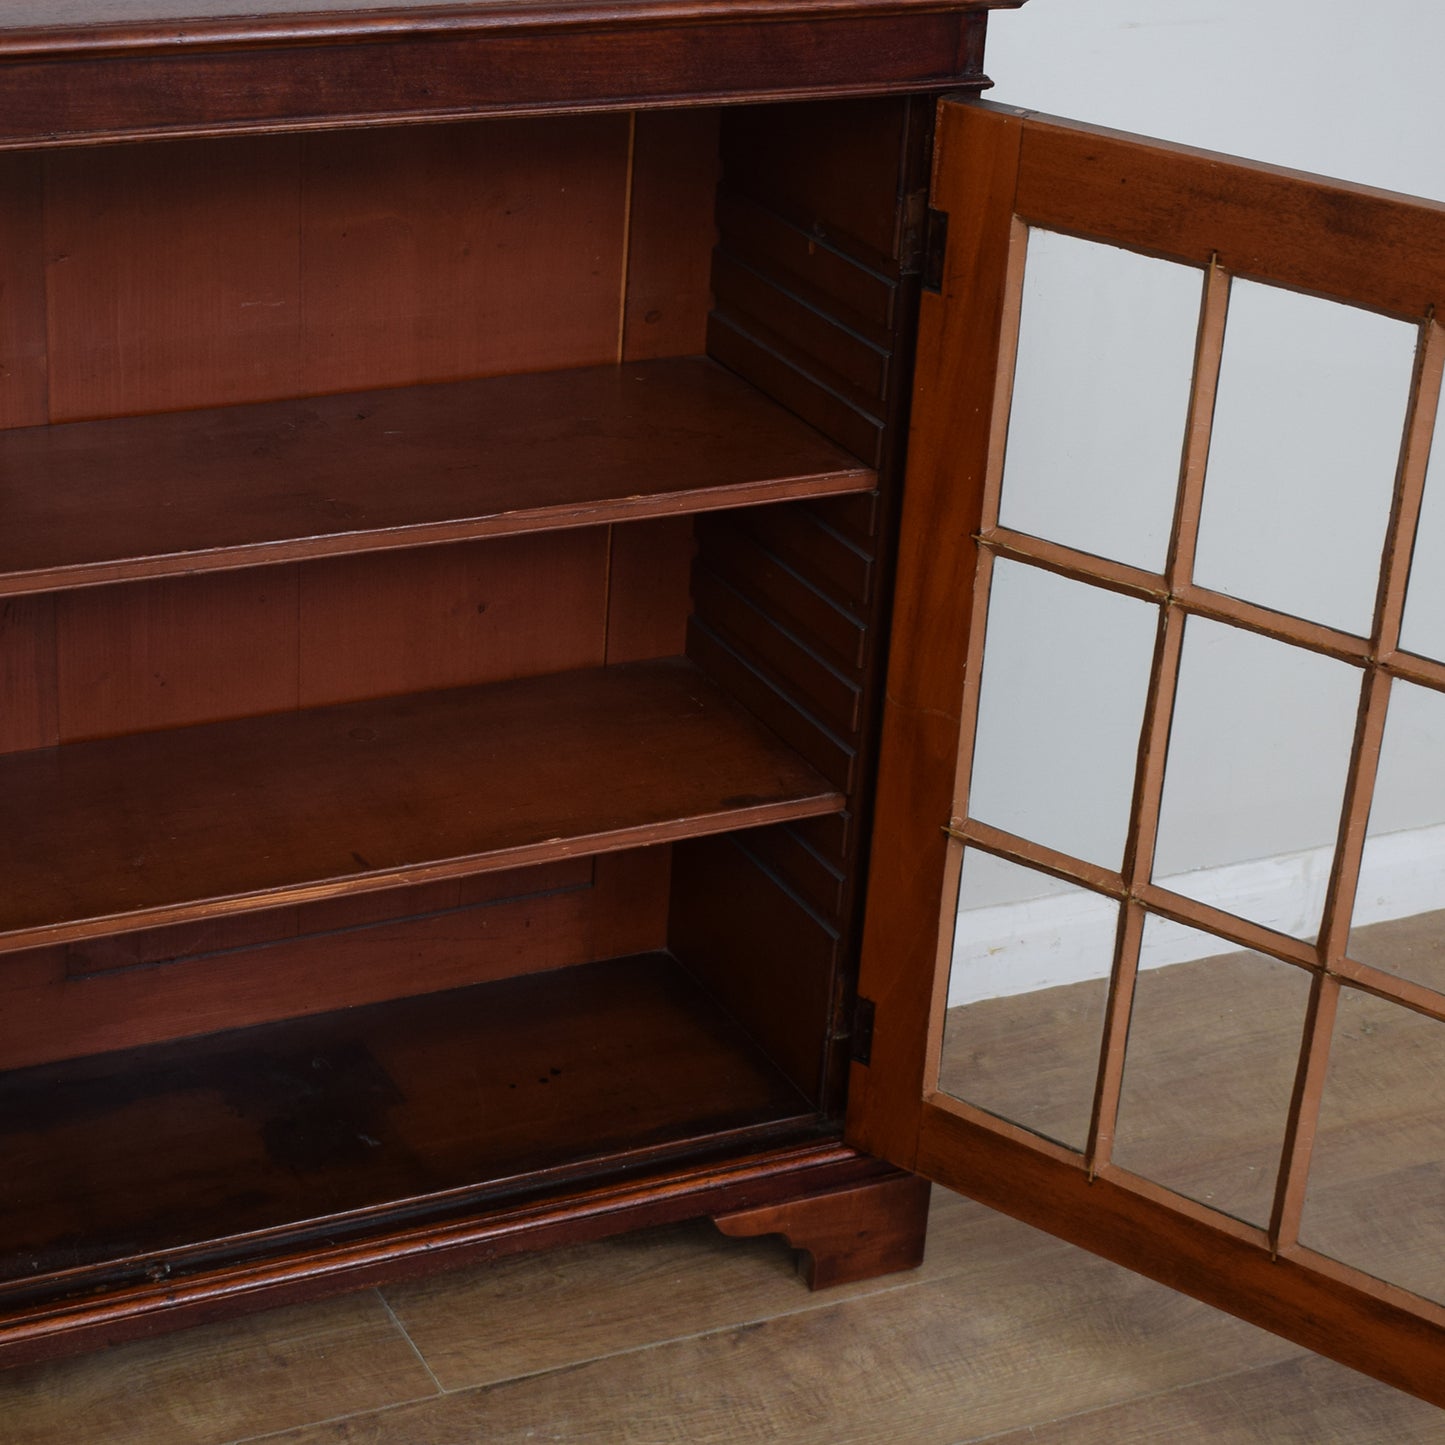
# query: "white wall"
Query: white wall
1339,88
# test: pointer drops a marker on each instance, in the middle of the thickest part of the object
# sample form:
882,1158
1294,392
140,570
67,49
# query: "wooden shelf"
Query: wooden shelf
370,1112
194,823
105,501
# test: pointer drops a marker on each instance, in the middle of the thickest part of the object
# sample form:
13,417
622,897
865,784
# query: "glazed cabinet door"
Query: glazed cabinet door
1155,936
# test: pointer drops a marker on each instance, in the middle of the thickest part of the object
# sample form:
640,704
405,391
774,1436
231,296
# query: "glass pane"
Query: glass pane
1065,672
1423,629
1307,429
1255,775
1214,1041
1100,398
1376,1195
1027,990
1399,917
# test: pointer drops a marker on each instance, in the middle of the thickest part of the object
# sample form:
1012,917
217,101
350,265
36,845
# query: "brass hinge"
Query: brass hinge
861,1048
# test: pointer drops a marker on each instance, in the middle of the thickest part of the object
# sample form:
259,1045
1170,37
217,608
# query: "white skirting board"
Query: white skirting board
1064,938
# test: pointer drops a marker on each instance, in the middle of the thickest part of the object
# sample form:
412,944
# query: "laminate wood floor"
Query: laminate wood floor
678,1335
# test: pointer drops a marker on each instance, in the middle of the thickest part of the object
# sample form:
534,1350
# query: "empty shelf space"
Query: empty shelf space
104,501
194,823
292,1126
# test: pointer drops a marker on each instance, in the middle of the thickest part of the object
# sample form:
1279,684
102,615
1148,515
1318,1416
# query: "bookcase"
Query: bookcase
445,565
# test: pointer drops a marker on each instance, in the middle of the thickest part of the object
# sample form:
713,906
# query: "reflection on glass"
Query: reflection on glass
1100,398
1306,440
1423,629
1065,672
1399,918
1376,1194
1027,990
1255,776
1214,1042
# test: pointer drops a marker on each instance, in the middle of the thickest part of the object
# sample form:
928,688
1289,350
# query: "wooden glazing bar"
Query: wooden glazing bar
1334,936
1344,877
1008,351
1074,564
1035,855
1409,486
1304,1112
973,681
1389,611
1148,794
1138,858
1208,355
1281,626
1406,992
1147,586
1104,1117
1228,926
1425,671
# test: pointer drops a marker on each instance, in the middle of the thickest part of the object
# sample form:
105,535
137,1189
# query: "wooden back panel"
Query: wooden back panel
146,278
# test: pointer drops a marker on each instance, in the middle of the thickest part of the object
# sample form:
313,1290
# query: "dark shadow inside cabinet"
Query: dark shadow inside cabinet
441,627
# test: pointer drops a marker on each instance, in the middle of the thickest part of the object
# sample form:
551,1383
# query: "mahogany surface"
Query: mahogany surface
851,1234
159,279
288,1126
84,73
180,825
178,493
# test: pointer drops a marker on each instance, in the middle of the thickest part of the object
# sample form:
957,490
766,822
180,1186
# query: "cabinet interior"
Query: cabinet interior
434,764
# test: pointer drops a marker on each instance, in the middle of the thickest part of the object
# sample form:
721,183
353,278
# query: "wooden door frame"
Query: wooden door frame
998,170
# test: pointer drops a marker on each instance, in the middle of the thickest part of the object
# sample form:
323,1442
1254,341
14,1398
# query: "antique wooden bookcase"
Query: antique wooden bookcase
450,505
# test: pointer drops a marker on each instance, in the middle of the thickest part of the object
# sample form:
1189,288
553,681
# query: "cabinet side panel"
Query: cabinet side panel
758,949
815,276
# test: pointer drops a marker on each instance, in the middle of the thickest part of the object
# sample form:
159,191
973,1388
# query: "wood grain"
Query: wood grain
1349,242
948,1360
958,341
854,1234
539,919
649,577
123,832
366,1110
457,251
27,674
759,950
670,233
172,276
533,1314
176,651
242,1378
227,488
482,63
477,612
24,387
1293,1402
